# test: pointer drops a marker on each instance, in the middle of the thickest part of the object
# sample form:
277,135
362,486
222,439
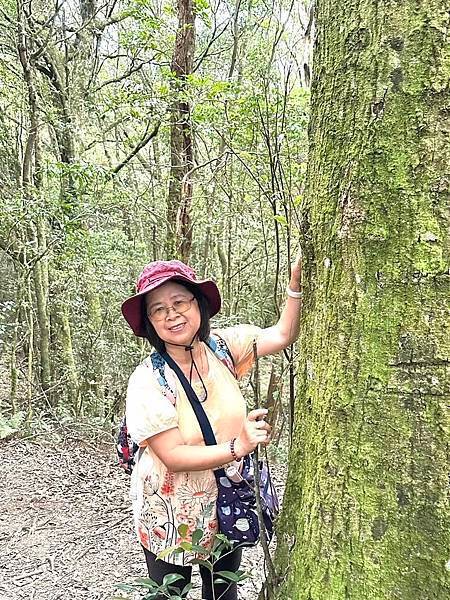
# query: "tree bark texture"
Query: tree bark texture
41,296
95,350
179,234
31,184
364,513
69,372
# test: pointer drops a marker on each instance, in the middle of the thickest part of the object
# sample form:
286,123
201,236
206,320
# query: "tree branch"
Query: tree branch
131,70
144,141
205,53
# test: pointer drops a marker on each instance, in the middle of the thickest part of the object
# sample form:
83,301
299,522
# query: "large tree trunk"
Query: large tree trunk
179,224
364,508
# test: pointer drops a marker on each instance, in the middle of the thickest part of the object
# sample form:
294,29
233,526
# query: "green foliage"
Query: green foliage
198,555
155,591
10,426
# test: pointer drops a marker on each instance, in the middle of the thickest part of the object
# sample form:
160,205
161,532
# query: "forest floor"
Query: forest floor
66,528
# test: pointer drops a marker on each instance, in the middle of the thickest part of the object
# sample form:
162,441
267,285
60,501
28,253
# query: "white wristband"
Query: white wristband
292,294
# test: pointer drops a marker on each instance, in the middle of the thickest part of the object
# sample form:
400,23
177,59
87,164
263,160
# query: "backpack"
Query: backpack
127,449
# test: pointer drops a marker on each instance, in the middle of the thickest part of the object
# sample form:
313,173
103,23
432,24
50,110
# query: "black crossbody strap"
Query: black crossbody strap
205,425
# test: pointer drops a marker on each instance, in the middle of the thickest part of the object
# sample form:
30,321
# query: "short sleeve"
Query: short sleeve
239,340
148,411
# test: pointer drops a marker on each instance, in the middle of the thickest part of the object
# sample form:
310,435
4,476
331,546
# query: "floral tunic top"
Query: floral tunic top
163,500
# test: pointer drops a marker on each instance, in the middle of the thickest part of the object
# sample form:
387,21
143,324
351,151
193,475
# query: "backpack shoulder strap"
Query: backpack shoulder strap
222,352
214,342
159,372
129,452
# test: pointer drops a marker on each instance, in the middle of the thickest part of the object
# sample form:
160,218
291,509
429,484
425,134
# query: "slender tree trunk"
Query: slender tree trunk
223,261
58,77
229,260
364,512
13,370
41,296
30,358
206,245
70,383
31,183
179,233
95,375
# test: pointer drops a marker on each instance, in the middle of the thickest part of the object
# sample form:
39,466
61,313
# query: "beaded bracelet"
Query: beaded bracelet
232,450
292,294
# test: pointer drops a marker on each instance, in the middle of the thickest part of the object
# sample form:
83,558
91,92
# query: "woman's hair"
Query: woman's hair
203,331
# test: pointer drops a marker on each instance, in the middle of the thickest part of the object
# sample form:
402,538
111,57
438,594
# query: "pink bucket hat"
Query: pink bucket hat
155,274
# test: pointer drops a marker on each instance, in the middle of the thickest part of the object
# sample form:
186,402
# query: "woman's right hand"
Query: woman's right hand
254,431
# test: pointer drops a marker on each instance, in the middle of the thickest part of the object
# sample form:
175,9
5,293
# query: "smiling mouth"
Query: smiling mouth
177,327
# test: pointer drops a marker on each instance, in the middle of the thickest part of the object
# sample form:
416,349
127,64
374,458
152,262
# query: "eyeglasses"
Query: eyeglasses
158,313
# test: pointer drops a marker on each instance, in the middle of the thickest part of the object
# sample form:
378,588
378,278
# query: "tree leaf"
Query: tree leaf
197,536
126,587
187,588
203,563
186,546
231,576
223,538
281,219
171,578
172,549
200,549
146,582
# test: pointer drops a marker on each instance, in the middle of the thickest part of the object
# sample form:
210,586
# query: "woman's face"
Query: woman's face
172,326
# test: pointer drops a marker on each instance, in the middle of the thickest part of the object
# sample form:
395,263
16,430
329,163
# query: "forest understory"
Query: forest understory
66,529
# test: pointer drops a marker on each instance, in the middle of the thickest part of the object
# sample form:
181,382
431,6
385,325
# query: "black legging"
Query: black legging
157,569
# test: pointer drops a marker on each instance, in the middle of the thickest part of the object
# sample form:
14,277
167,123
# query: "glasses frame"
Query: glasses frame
167,310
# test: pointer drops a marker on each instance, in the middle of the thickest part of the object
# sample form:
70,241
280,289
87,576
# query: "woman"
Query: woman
173,482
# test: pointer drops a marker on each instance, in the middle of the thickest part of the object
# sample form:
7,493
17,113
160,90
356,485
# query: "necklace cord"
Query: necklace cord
189,348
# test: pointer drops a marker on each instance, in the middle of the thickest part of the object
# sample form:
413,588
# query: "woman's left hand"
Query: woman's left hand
285,332
296,273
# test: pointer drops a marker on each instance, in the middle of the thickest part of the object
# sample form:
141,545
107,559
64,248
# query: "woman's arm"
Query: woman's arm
177,456
285,332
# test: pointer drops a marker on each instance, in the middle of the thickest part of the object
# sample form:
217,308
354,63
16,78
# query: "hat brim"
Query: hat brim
132,307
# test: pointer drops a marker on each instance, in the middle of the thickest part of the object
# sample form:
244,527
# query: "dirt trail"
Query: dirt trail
66,525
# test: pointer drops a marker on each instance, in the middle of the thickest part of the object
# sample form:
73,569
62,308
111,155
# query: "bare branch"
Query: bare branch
7,17
144,141
131,70
101,26
213,39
